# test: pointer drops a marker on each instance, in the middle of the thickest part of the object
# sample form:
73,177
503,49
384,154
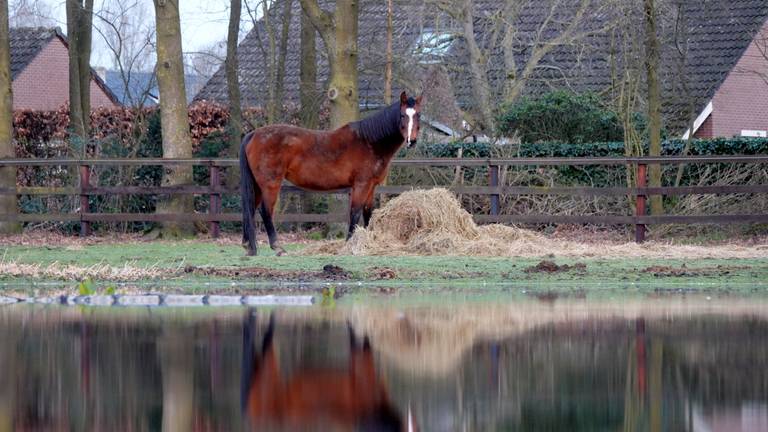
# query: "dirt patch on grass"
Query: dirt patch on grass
329,273
335,272
667,271
550,267
381,273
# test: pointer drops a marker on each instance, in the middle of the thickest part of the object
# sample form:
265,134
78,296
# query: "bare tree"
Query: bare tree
79,31
233,83
497,25
31,13
681,44
652,63
339,34
177,142
389,55
204,62
308,74
129,39
7,150
274,51
281,57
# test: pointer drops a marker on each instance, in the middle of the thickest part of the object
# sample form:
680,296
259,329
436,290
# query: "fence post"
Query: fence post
85,183
215,198
640,203
493,181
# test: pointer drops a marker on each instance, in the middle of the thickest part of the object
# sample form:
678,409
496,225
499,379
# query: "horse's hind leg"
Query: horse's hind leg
269,198
249,234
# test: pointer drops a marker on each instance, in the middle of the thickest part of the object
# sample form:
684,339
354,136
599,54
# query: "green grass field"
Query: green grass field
169,263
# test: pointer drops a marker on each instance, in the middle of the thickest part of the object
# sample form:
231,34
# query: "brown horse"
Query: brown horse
351,398
356,156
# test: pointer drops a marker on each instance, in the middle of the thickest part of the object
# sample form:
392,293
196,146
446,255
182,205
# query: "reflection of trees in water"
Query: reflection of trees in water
587,376
102,374
557,370
9,366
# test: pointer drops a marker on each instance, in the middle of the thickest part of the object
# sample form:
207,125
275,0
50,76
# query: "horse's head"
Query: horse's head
410,118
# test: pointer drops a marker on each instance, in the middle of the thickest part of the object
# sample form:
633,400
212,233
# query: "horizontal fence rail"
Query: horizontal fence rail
494,191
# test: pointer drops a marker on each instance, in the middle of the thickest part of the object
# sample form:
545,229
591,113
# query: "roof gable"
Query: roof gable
26,44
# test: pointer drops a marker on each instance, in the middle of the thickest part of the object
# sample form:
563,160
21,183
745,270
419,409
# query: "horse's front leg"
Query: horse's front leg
358,199
368,208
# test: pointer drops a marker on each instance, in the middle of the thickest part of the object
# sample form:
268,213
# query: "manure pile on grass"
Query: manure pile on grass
432,222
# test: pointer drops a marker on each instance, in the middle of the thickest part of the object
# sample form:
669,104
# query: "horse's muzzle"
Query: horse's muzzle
412,144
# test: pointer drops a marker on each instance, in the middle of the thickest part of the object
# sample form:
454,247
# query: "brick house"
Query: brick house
40,71
739,105
722,83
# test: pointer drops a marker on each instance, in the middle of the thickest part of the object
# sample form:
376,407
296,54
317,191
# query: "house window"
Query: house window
754,133
432,46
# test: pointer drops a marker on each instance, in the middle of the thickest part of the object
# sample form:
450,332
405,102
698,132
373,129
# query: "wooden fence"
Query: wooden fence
215,190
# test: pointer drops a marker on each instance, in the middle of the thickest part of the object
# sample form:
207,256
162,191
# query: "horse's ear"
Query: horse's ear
403,98
418,99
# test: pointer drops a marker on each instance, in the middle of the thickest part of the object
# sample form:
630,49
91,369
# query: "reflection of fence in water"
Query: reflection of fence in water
494,190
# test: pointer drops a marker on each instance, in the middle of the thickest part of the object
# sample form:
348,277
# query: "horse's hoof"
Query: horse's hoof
280,251
250,252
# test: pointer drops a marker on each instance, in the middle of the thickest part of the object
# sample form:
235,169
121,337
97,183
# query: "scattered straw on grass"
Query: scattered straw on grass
58,271
432,222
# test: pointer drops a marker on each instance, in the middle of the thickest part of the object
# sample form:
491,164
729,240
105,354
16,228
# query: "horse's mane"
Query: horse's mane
381,125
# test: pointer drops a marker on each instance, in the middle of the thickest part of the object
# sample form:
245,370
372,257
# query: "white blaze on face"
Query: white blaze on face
410,112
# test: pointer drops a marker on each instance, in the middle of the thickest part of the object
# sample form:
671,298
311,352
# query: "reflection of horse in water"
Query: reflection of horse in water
352,398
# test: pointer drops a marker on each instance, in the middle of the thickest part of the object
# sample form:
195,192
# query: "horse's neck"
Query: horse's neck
390,146
384,148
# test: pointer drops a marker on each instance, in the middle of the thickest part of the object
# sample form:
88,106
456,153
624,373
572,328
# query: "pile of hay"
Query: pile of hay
432,222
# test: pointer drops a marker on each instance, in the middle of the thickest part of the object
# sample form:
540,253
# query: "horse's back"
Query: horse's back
283,131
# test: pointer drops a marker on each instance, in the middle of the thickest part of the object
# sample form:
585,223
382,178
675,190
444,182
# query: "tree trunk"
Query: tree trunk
177,142
270,63
308,74
480,87
79,24
345,106
233,83
308,90
281,56
387,82
339,33
388,65
654,101
8,203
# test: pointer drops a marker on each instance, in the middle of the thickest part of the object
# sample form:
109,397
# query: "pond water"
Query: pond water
529,364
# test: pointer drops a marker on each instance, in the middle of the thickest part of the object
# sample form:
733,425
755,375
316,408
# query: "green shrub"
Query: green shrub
562,116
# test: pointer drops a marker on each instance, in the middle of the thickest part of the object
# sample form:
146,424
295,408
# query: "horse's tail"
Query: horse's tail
248,191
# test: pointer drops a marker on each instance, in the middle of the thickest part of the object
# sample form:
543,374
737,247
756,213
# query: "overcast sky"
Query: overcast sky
203,23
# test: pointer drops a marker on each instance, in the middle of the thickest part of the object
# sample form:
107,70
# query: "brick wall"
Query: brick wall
44,83
741,102
705,130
